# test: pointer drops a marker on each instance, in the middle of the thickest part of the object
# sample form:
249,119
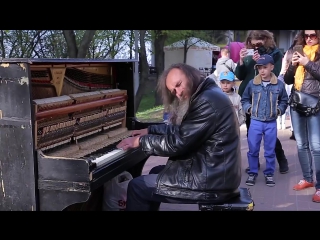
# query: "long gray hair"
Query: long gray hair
172,105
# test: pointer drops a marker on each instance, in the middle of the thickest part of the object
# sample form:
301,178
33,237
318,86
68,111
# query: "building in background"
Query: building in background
199,53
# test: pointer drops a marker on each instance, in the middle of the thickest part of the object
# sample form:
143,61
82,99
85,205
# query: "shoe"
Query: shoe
248,168
316,196
283,166
269,181
251,179
303,184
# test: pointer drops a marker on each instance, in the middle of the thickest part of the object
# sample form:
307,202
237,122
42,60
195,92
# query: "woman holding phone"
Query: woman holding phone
304,74
262,42
286,61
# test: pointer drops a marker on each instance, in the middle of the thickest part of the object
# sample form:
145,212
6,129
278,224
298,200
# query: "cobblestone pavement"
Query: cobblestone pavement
278,198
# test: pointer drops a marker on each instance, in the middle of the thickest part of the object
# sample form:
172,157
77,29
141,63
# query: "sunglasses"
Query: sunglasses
312,36
257,45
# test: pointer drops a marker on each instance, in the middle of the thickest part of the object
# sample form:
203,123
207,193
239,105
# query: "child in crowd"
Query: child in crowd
264,98
227,85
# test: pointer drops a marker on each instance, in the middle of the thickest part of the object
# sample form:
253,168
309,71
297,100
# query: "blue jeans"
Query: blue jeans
307,133
141,197
268,130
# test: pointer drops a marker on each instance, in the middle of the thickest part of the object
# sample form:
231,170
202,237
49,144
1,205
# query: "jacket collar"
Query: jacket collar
258,80
204,84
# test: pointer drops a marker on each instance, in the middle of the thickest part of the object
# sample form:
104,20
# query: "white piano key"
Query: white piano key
108,157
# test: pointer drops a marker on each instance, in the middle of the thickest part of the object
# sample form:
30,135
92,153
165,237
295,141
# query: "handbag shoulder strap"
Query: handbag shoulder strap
228,66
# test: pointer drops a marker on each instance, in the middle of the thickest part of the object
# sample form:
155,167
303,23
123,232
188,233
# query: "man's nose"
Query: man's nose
178,92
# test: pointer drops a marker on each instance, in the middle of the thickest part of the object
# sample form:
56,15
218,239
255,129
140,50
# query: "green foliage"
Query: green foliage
147,102
108,43
52,44
151,115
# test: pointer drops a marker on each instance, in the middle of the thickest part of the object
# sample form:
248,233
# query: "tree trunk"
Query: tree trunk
144,74
70,38
185,51
73,50
159,42
131,43
85,43
3,50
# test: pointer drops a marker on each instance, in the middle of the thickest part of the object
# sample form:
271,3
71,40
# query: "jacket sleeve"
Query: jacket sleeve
289,75
284,65
282,99
314,69
189,135
241,71
278,64
241,114
246,98
162,129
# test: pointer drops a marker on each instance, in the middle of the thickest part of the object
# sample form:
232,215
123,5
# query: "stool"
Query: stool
242,203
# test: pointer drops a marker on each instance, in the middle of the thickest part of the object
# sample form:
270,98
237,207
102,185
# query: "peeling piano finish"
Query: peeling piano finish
17,174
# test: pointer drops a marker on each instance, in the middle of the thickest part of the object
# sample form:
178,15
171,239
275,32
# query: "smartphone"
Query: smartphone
250,52
299,49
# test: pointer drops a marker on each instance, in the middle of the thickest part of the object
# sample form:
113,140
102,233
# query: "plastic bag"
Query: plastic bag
115,192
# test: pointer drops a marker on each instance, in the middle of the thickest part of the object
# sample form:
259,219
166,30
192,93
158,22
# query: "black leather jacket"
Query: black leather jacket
311,84
204,151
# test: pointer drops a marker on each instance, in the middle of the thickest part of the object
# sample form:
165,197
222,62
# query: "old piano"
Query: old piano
60,120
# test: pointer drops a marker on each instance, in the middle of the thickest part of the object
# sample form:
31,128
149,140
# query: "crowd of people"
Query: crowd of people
202,138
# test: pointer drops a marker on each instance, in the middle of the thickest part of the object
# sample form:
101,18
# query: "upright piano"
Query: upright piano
60,122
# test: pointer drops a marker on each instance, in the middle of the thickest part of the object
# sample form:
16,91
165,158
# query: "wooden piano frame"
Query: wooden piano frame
29,181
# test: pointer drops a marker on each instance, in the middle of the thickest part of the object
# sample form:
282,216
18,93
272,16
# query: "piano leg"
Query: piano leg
60,200
94,202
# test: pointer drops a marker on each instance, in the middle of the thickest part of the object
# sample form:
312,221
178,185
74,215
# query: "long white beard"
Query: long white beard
179,109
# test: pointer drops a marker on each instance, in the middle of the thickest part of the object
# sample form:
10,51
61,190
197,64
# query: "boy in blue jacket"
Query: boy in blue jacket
265,98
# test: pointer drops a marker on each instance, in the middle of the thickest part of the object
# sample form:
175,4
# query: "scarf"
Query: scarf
310,52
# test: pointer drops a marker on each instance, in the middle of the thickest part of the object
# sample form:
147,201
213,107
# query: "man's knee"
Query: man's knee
133,185
142,183
157,169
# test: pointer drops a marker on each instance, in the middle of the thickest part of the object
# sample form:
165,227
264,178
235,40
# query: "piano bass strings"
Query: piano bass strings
82,125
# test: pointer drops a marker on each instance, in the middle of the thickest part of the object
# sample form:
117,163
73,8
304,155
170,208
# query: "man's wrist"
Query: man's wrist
137,141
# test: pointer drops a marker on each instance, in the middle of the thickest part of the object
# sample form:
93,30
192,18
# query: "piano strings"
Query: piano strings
80,123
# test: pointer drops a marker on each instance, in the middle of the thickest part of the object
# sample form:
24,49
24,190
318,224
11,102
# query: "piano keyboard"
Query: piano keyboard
105,155
99,149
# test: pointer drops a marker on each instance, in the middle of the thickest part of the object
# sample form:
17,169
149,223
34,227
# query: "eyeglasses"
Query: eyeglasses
312,36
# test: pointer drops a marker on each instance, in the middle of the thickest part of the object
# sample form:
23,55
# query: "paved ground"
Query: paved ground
278,198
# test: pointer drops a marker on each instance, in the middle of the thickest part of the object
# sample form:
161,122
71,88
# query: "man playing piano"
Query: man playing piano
203,145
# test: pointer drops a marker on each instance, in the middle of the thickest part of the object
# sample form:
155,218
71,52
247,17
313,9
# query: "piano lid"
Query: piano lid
56,61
